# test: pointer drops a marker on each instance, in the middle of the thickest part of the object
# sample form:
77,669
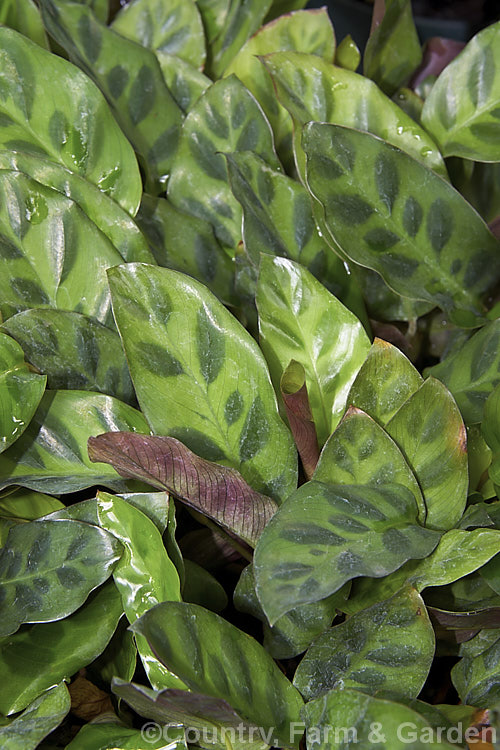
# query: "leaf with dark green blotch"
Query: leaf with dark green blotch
299,319
460,110
62,255
361,452
144,576
384,382
294,632
389,646
362,719
175,28
54,651
51,455
472,371
393,51
104,145
73,351
476,676
429,430
20,392
247,434
298,410
185,82
214,716
419,266
216,125
491,432
41,717
201,648
278,220
144,107
213,490
312,89
240,23
113,221
307,31
349,531
45,572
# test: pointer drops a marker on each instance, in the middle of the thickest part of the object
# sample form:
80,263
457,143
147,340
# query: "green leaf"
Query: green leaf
144,575
491,431
215,658
20,392
22,505
355,719
73,351
52,255
294,632
347,54
226,118
389,647
243,19
41,655
361,452
51,456
113,221
477,677
129,76
472,371
307,31
429,430
462,110
119,658
280,7
213,14
458,554
384,382
185,82
73,127
217,492
300,320
278,220
103,735
175,28
187,244
428,245
48,568
312,89
393,51
181,346
350,531
201,587
40,719
24,16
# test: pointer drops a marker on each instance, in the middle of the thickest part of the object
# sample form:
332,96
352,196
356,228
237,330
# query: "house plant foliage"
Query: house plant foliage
249,380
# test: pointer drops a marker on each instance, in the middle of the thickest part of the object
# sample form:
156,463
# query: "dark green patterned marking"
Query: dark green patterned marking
210,343
350,209
255,432
233,408
117,80
440,224
159,360
386,180
142,95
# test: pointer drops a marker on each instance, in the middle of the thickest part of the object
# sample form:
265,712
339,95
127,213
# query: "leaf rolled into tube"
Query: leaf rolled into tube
218,492
298,410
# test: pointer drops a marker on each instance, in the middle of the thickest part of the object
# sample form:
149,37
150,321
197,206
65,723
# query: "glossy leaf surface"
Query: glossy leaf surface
293,390
144,575
104,735
393,51
349,531
187,244
472,371
389,646
73,351
23,505
241,22
384,382
361,452
429,430
200,377
131,79
175,28
221,661
476,678
218,492
40,718
74,128
427,245
47,570
52,455
462,110
225,119
37,657
20,392
300,320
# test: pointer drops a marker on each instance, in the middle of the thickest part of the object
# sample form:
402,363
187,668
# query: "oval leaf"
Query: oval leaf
44,715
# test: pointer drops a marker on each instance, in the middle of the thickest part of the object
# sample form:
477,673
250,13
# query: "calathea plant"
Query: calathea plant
249,380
